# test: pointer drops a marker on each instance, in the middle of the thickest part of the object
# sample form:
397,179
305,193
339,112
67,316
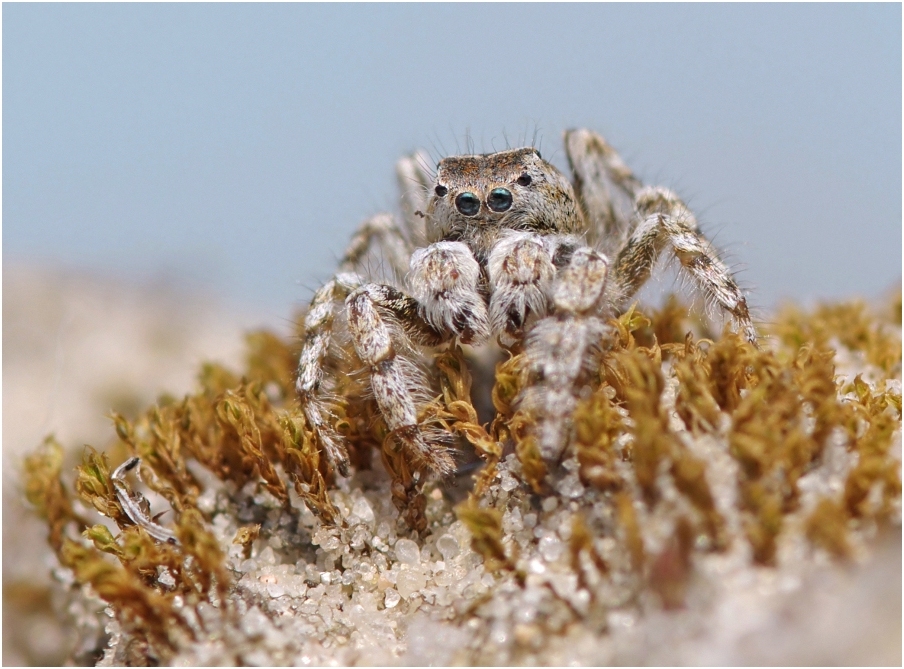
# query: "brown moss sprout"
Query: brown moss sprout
776,408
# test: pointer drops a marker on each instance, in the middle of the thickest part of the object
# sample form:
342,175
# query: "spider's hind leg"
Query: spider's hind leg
605,187
414,181
666,220
379,239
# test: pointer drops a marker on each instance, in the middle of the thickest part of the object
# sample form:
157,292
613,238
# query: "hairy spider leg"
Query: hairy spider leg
605,186
634,224
666,220
415,182
563,347
386,326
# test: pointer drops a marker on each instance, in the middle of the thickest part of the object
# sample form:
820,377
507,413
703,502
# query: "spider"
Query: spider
504,246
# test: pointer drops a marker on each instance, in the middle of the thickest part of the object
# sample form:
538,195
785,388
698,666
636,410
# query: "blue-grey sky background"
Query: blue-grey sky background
236,147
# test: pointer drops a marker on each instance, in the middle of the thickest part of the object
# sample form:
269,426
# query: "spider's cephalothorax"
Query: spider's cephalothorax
499,245
477,197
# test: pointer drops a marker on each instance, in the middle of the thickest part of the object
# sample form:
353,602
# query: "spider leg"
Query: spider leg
414,185
386,325
665,219
563,347
378,239
312,384
605,186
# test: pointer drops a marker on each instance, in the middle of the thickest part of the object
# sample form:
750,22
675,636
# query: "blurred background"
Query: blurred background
235,147
174,174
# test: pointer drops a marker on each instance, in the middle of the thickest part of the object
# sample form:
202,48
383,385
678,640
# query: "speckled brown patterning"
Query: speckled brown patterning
498,245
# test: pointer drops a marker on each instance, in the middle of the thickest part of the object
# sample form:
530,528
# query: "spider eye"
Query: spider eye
524,180
441,191
500,199
467,203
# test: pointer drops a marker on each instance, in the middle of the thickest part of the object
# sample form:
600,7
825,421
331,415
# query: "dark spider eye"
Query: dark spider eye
441,191
524,180
467,203
500,199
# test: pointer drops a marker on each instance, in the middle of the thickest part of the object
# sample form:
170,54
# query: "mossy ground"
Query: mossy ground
691,453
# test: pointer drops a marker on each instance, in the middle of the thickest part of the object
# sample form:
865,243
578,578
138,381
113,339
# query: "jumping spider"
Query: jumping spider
498,245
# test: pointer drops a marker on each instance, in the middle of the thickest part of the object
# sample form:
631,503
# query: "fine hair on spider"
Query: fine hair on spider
498,247
427,160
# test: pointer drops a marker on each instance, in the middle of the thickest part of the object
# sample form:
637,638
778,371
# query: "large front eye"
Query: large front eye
468,204
500,199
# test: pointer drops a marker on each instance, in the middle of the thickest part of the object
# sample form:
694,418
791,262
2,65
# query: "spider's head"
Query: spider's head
475,197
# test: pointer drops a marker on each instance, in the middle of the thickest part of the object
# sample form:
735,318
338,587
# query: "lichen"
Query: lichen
693,457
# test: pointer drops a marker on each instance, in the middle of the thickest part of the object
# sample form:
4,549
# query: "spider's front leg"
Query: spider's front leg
562,348
313,386
532,274
387,325
665,219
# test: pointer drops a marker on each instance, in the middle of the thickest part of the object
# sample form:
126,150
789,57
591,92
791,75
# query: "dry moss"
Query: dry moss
598,424
854,325
775,409
827,527
485,526
880,415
